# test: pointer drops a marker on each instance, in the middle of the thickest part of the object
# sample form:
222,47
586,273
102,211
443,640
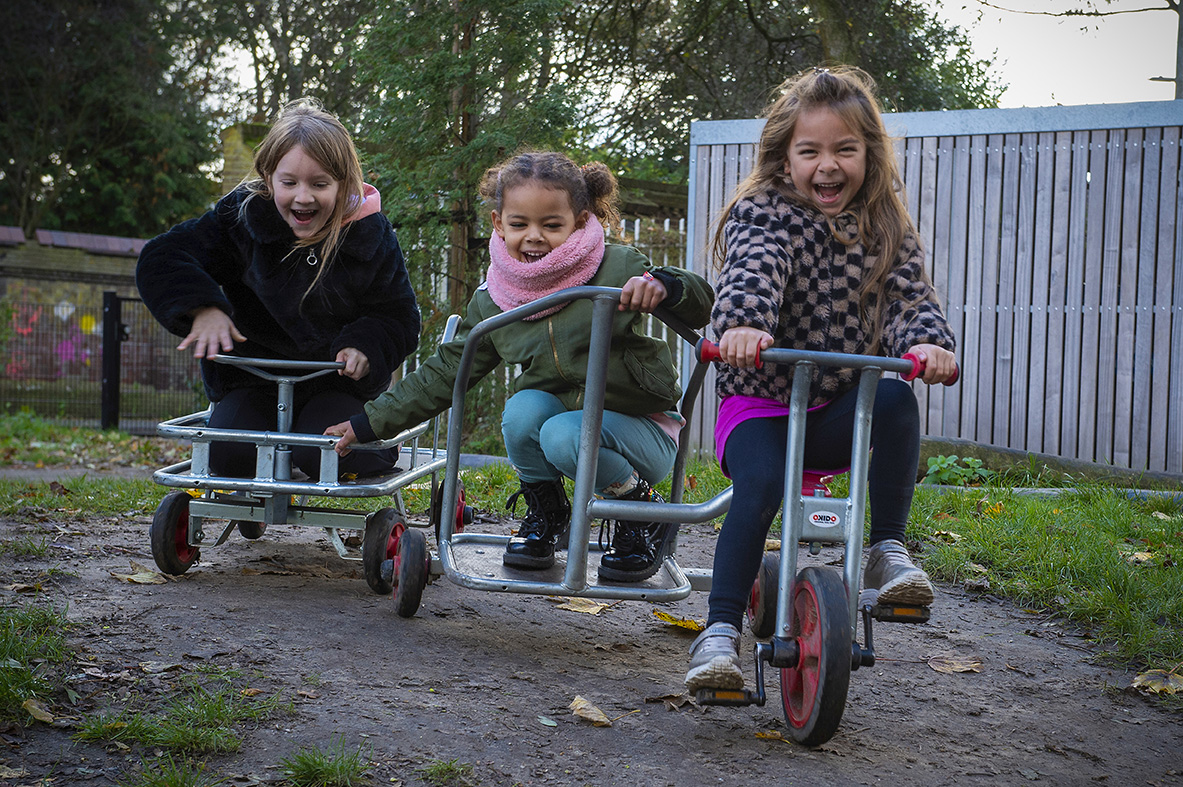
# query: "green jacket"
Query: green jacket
553,353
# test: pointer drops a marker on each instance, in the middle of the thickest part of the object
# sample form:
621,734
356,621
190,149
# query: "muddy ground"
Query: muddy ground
487,679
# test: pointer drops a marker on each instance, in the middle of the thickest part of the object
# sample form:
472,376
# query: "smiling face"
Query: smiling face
826,160
535,219
304,193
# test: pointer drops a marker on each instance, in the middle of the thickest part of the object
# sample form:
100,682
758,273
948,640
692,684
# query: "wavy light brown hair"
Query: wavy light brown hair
879,207
305,123
591,187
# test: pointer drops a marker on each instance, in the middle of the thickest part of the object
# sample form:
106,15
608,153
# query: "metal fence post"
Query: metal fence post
112,333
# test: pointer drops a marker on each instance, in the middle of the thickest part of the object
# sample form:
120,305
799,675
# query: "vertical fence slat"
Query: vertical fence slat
1125,303
1051,257
1143,305
1168,256
1175,395
953,296
1007,253
973,361
1110,281
1022,389
1074,293
991,308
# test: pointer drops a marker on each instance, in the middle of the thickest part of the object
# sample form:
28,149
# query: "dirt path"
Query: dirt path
486,679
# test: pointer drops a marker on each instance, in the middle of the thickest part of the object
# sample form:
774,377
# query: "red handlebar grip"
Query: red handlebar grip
918,369
706,350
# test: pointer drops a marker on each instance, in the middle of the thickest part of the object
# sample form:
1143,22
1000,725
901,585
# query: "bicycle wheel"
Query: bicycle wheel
814,691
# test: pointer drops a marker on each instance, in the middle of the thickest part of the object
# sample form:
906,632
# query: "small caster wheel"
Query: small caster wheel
379,545
169,534
412,565
762,601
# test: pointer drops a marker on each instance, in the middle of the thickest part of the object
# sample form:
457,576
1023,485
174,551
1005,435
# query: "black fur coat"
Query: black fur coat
246,267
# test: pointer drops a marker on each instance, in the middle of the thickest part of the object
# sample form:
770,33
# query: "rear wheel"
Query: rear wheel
462,515
169,534
814,691
412,567
762,601
378,545
251,530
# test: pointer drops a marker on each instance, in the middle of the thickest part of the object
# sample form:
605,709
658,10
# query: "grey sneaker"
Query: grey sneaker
891,571
714,659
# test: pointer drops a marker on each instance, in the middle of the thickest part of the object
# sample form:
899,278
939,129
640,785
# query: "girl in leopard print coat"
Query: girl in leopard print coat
817,252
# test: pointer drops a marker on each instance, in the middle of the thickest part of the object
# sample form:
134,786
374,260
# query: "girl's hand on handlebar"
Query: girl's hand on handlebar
939,363
345,431
212,332
357,365
642,293
741,346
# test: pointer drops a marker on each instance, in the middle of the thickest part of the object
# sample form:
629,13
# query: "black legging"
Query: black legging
253,409
755,456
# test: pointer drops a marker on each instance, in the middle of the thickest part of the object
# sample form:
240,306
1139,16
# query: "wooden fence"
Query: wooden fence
1053,239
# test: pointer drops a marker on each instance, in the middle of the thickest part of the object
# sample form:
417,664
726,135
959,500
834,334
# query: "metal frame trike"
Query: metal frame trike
274,497
810,617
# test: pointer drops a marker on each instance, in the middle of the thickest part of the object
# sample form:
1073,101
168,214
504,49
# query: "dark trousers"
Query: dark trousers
254,409
755,455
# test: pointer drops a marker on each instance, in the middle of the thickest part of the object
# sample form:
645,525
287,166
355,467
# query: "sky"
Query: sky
1048,61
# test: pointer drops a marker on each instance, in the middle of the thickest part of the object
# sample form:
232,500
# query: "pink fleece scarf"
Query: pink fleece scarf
513,283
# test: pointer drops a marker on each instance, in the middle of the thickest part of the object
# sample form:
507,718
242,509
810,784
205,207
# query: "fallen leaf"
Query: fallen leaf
58,489
977,568
1160,681
156,667
672,701
251,692
140,575
585,605
37,711
692,482
585,710
686,623
772,735
12,773
1140,558
309,693
23,588
948,536
547,722
951,664
772,545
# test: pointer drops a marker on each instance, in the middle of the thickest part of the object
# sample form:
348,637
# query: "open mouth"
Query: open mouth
828,192
303,216
532,256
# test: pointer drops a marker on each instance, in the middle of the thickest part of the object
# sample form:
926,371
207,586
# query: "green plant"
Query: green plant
166,772
25,546
31,640
447,773
946,470
335,766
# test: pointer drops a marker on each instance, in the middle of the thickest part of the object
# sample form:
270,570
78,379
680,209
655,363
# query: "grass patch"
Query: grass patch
25,546
447,773
166,772
200,719
79,496
335,766
1105,561
32,640
28,439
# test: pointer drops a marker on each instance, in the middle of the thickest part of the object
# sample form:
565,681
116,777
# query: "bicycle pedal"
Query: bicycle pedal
900,613
727,697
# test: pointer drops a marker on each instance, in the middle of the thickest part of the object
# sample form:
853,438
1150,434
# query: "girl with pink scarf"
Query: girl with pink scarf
548,217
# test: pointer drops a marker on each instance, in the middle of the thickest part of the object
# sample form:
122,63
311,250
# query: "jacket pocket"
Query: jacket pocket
654,374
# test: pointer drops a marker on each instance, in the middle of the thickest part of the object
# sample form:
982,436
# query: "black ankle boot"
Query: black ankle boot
547,514
637,548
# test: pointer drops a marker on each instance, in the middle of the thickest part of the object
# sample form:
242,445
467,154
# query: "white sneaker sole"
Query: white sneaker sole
718,673
912,590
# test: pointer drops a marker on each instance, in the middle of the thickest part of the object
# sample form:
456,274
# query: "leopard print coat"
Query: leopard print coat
786,273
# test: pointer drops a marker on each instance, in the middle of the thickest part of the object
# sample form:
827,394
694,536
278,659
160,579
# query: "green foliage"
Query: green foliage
954,471
31,641
1101,559
99,138
335,766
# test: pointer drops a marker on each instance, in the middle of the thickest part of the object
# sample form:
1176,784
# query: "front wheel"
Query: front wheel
413,564
169,535
814,691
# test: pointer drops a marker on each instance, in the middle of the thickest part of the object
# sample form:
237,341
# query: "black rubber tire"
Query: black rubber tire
412,567
169,535
814,691
379,544
762,601
250,530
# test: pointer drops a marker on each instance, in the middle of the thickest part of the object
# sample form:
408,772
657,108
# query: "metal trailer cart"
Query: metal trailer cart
273,497
809,618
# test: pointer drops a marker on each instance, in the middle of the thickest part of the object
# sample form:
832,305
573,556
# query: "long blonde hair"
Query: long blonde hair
305,123
879,207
